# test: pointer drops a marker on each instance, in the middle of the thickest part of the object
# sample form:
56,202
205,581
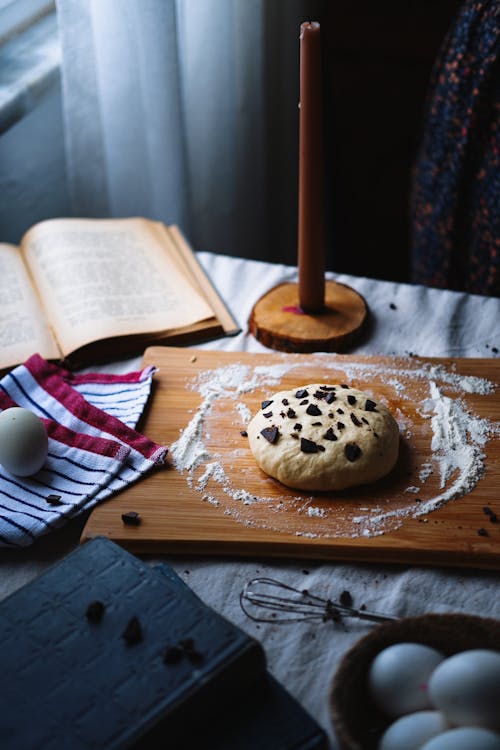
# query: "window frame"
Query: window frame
16,15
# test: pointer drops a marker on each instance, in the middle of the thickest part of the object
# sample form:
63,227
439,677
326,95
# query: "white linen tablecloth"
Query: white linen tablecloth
304,656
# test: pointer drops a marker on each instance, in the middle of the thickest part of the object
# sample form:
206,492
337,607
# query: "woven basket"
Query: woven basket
357,722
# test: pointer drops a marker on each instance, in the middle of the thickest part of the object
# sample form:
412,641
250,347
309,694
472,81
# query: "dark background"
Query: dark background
378,58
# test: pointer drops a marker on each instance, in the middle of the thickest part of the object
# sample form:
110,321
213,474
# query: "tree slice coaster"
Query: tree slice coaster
277,320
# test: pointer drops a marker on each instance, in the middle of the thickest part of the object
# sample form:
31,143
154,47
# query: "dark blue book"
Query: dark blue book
104,651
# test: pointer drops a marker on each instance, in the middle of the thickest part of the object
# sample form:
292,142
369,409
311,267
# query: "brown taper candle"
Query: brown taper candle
311,236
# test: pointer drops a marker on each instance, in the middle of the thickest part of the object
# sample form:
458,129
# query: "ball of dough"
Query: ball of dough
324,437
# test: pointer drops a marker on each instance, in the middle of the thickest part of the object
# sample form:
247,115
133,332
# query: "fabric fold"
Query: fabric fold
93,452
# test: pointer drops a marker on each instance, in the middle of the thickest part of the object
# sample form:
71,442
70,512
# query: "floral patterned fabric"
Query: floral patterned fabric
456,190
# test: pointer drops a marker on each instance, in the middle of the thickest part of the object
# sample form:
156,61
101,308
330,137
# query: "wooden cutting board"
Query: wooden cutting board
247,513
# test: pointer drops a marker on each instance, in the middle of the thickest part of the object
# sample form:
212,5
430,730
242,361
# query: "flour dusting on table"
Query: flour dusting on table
456,455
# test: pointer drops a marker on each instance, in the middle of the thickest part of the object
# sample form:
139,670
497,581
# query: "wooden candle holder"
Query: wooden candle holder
313,315
278,321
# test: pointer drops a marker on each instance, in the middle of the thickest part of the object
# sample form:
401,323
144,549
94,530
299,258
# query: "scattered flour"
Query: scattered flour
456,447
458,439
213,470
318,512
189,452
397,385
425,472
244,412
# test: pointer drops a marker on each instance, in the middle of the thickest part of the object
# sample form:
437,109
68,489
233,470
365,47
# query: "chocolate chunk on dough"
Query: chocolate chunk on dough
271,434
352,451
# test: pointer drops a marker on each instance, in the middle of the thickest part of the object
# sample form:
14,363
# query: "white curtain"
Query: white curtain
186,111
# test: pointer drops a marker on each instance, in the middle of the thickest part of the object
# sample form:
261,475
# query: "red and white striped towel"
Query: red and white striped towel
94,449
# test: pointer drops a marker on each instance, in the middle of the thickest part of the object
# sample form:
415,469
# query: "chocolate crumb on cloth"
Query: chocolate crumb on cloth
53,499
330,455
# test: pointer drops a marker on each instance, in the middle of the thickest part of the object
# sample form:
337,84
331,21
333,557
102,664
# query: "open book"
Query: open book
83,290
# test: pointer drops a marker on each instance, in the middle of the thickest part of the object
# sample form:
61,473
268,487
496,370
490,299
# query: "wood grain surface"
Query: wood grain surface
277,321
250,514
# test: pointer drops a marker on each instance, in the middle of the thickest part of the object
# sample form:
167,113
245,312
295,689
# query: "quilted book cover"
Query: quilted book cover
101,648
104,651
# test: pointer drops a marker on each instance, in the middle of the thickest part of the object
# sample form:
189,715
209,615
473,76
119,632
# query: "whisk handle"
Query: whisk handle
374,616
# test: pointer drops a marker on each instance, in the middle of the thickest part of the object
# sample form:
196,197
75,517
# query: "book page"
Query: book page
110,277
23,327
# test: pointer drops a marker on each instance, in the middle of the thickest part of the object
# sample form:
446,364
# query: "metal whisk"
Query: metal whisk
295,605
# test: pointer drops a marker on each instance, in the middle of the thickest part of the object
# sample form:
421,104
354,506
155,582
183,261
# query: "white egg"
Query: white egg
466,688
464,738
398,677
411,731
23,441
